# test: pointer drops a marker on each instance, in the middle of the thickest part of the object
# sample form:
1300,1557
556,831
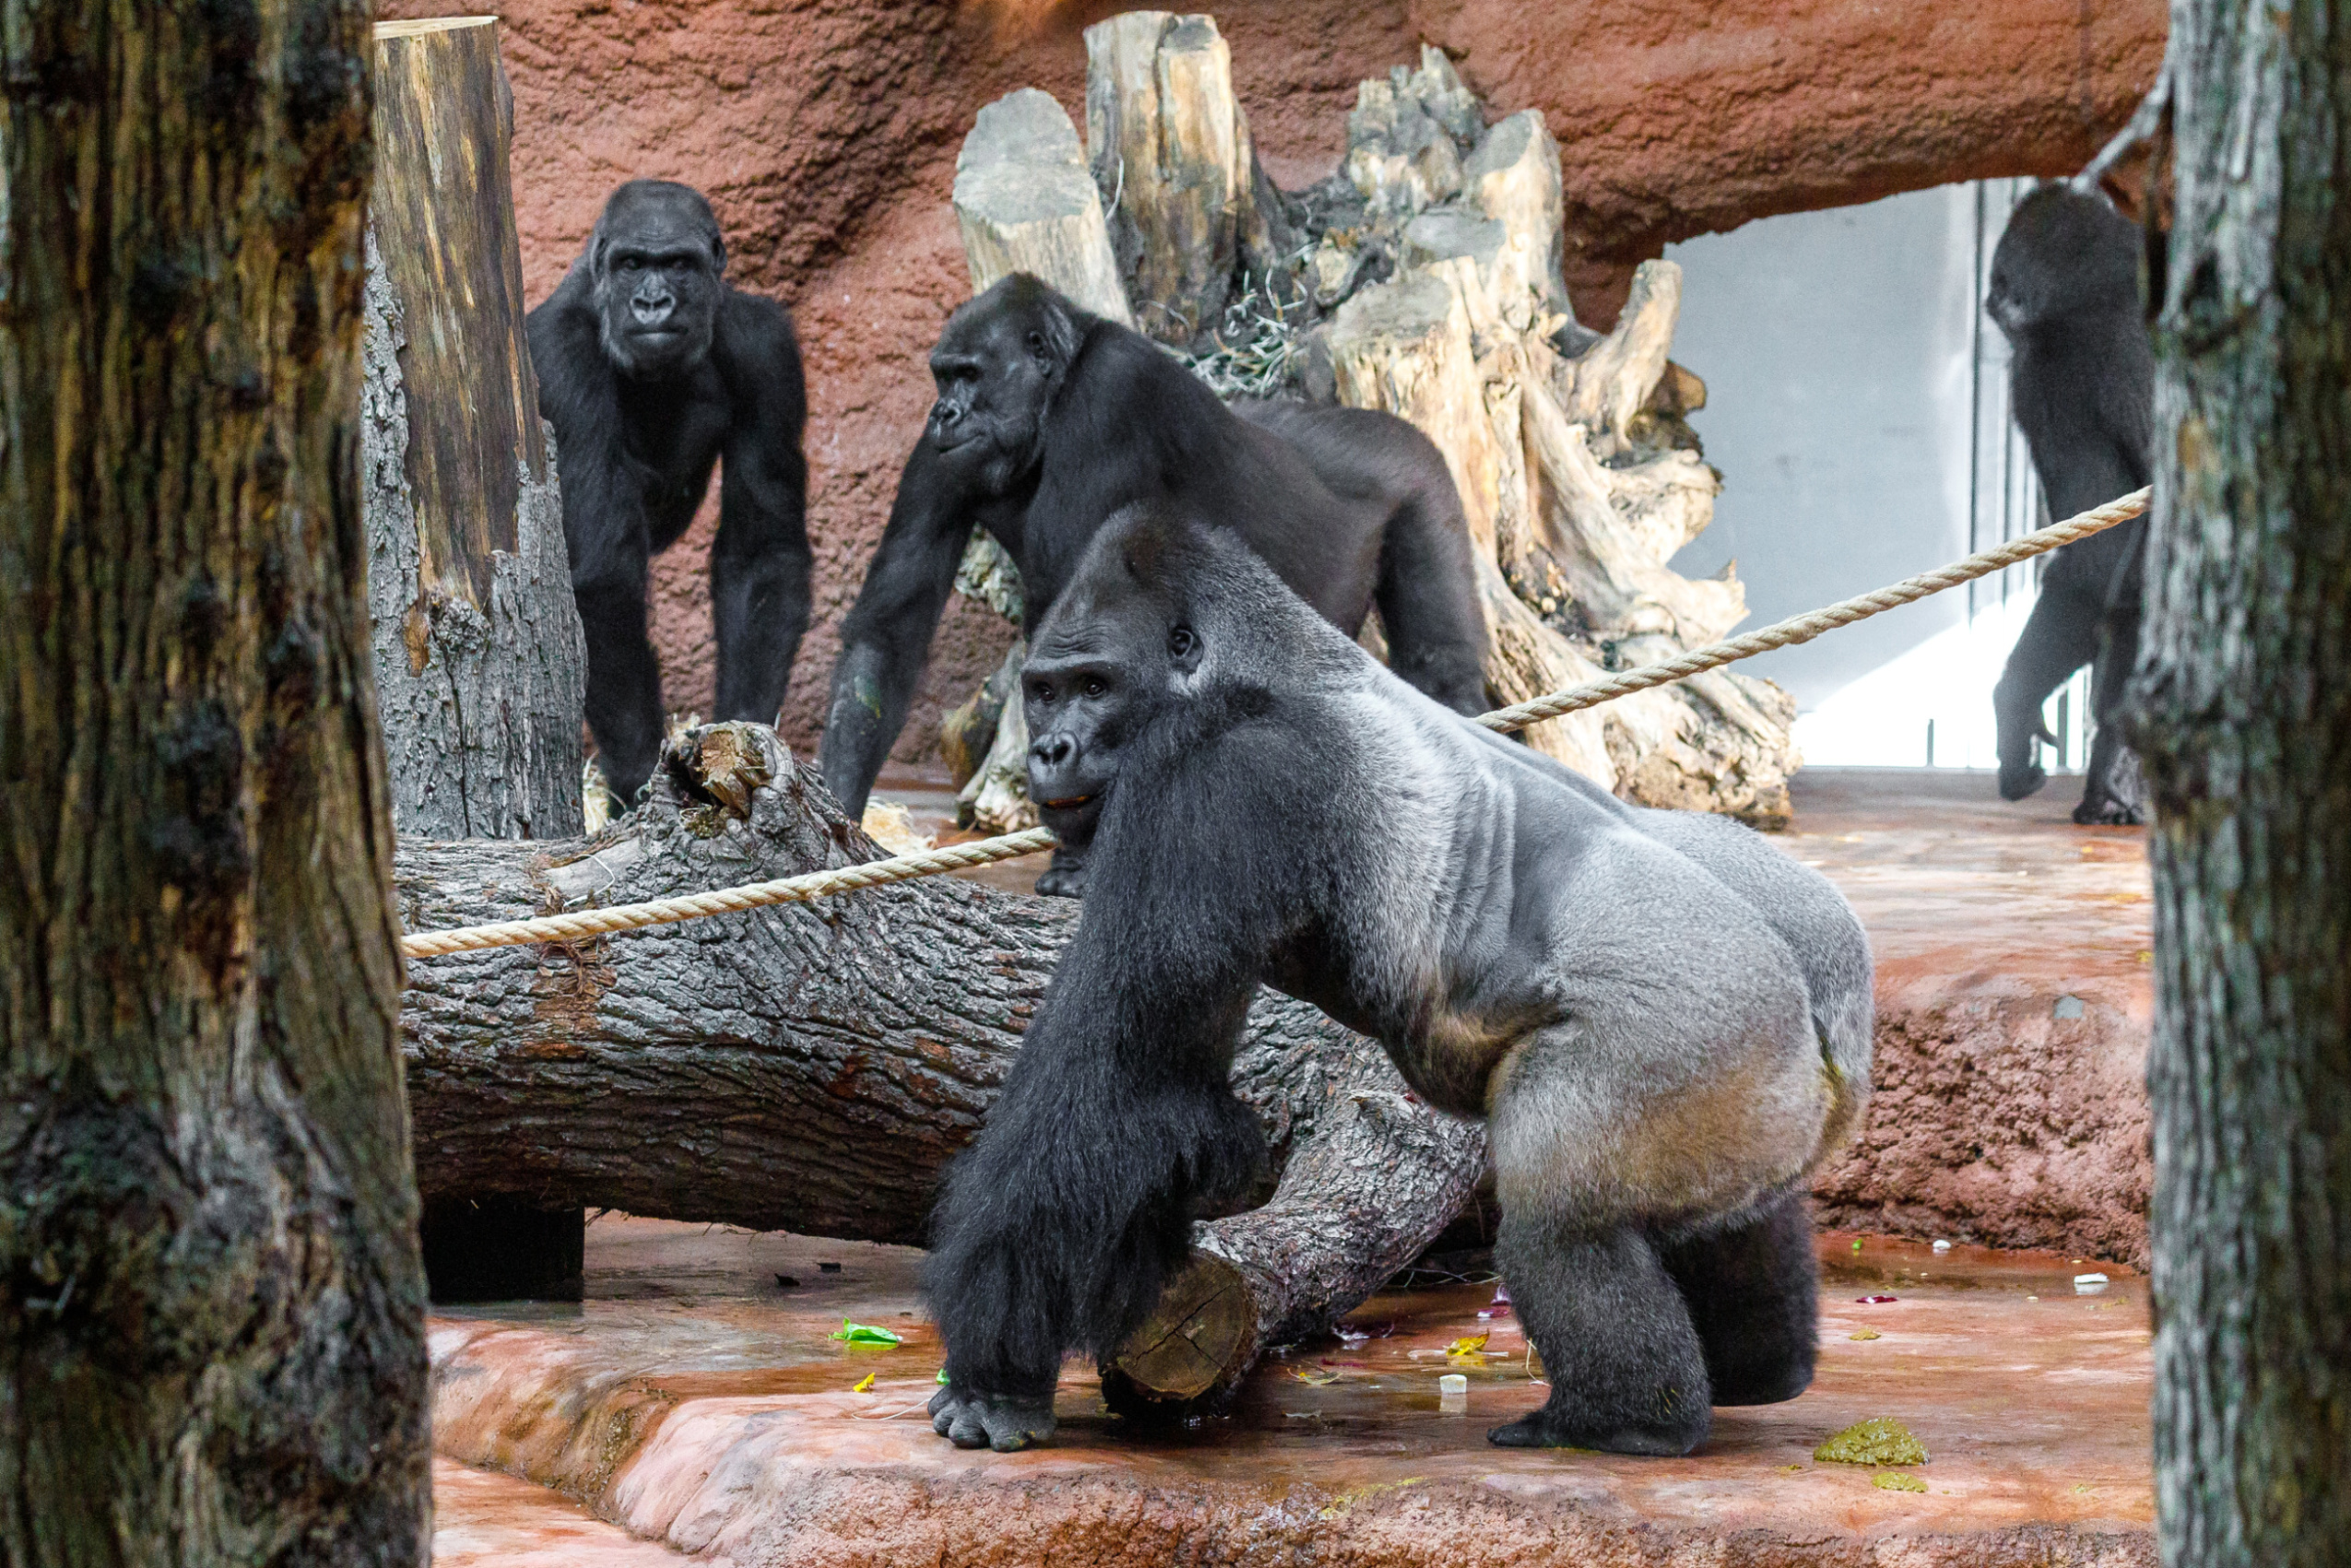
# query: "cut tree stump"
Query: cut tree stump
478,657
1190,207
1025,203
811,1067
479,662
1572,550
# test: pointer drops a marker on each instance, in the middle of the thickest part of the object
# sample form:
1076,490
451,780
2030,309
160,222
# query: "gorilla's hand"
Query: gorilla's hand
1065,878
1002,1422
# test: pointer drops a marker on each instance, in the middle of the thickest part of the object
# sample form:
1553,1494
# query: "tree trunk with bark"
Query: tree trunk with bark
209,1291
479,663
811,1068
2244,724
480,666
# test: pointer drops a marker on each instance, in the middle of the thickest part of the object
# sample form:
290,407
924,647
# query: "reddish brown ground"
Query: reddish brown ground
695,1401
825,133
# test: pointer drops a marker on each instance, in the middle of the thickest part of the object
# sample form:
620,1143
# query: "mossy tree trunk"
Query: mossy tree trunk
2245,724
211,1311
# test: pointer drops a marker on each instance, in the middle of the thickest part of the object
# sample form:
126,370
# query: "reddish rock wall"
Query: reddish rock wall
825,134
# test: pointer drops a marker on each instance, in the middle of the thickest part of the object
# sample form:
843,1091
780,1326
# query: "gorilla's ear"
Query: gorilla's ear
1053,337
718,252
1184,649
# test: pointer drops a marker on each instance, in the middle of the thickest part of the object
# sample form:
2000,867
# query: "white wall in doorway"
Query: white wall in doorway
1857,409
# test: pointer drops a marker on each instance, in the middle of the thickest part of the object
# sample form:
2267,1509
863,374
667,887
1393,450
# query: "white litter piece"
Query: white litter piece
1943,1246
1453,1393
2088,1284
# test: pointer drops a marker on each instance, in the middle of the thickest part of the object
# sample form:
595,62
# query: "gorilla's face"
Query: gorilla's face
1111,655
998,365
658,265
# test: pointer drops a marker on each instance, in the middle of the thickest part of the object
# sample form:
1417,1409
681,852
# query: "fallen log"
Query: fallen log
811,1067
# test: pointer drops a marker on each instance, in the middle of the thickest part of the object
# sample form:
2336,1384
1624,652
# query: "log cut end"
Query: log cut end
1199,1339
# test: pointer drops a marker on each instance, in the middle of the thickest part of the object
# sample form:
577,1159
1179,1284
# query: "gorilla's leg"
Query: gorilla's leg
2113,792
623,685
2061,636
1627,1371
1753,1294
1427,598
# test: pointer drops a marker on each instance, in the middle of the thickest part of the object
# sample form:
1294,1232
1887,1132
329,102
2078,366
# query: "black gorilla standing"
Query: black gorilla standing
1048,420
1664,1020
652,366
2066,290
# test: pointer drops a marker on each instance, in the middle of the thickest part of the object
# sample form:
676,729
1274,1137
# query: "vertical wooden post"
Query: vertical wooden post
479,663
478,657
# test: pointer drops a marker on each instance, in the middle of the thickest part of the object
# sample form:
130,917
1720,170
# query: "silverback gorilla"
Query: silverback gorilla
1049,419
1664,1020
2066,290
652,366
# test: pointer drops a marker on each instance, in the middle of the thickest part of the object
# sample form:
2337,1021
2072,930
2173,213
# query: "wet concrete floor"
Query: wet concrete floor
694,1399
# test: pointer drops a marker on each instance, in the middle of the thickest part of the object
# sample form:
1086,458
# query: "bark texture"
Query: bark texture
811,1067
2246,732
1026,204
211,1311
479,665
1171,152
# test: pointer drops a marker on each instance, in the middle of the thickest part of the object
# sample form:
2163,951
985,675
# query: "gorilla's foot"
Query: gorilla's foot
1002,1422
2105,810
2021,779
1761,1384
1555,1427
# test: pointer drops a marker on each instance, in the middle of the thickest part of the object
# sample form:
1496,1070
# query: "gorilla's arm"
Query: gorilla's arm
886,638
1058,1227
761,562
605,533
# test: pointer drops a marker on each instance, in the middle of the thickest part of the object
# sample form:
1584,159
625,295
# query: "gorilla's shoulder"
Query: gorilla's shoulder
750,317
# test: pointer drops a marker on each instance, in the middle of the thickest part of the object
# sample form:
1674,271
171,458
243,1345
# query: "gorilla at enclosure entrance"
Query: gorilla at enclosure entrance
1049,419
1665,1021
651,368
2065,290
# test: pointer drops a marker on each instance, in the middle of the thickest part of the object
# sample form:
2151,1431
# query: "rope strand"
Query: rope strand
1804,628
583,923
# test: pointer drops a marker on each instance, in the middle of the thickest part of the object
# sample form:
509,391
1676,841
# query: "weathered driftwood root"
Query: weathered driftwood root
811,1067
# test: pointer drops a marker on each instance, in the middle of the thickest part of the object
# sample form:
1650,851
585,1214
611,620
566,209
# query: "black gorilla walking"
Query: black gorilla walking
1049,419
2066,290
652,366
1664,1020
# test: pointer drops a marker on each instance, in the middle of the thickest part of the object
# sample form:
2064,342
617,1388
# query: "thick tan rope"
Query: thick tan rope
1804,628
588,923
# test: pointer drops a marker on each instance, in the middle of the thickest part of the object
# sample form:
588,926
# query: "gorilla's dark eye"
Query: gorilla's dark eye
1180,642
631,264
1040,692
1095,686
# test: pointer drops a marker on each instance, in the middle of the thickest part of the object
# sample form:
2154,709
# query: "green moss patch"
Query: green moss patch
1881,1440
